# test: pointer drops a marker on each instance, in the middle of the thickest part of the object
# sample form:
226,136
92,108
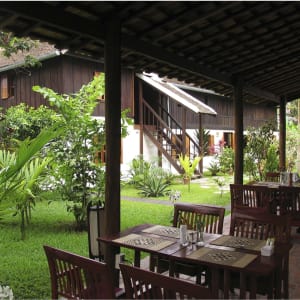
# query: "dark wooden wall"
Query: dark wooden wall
64,74
254,115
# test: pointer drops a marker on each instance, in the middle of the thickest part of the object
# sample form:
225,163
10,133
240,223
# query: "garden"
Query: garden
49,173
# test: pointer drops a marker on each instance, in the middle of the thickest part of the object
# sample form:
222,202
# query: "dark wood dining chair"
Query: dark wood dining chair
212,218
248,223
272,176
77,277
145,284
289,203
251,196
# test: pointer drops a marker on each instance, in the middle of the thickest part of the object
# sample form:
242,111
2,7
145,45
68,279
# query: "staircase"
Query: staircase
168,136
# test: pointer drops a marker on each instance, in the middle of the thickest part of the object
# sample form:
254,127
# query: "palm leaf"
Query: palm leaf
27,149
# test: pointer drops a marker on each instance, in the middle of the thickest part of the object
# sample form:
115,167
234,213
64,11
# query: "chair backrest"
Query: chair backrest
212,217
251,196
272,177
144,284
77,277
289,202
249,223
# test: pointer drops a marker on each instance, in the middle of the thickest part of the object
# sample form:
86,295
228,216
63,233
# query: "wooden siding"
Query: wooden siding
254,115
64,75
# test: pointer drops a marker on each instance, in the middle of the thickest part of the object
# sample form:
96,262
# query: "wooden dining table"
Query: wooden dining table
223,255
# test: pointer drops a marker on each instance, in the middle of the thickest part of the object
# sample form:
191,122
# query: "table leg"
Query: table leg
137,258
226,287
215,282
242,285
253,287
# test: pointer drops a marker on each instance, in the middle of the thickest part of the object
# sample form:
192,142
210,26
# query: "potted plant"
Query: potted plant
189,167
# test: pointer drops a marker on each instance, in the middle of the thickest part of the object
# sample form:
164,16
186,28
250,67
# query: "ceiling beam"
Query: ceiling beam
69,23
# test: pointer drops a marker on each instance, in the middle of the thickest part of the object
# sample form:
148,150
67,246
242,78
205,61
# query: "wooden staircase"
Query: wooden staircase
168,135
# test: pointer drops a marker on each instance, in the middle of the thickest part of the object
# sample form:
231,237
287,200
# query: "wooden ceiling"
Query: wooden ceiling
207,44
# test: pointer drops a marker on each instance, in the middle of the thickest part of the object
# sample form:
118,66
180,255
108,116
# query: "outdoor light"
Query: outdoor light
95,217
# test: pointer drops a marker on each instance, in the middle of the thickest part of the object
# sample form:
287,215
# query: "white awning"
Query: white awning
178,95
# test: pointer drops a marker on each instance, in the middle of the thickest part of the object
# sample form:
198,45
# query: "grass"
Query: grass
23,264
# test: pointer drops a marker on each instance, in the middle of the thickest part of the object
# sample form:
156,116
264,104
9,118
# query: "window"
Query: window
7,87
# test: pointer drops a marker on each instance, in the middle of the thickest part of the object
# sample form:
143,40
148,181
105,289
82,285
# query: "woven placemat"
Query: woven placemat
145,242
163,231
238,242
223,257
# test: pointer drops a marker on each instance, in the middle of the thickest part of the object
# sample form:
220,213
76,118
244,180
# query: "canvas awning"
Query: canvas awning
177,94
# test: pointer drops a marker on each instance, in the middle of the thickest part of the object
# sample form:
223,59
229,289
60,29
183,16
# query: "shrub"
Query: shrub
226,160
154,183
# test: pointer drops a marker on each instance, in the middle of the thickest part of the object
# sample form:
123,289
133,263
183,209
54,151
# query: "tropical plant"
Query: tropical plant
78,174
154,183
214,167
138,167
21,121
205,136
226,160
20,174
188,166
258,142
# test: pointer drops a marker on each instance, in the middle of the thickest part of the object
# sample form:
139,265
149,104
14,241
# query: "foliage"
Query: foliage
272,158
258,143
226,160
76,170
21,121
214,167
138,167
221,183
292,144
11,45
20,174
189,166
154,183
205,134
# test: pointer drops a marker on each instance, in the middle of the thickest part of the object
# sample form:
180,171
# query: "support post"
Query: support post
112,68
239,131
282,134
201,145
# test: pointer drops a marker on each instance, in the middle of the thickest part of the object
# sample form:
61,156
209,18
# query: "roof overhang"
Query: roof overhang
177,94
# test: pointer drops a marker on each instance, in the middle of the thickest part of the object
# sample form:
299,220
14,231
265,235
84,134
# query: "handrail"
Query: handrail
167,136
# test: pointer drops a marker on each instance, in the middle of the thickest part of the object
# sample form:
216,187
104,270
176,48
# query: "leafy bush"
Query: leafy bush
226,160
258,143
21,121
77,174
138,168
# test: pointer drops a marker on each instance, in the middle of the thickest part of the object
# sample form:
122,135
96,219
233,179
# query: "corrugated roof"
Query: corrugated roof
177,94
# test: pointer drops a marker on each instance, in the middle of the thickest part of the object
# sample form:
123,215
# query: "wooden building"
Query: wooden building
66,73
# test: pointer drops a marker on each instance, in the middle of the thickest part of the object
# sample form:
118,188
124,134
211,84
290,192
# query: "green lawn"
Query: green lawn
23,263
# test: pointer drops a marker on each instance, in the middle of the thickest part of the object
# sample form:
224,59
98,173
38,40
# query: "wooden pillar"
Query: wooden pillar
183,125
282,134
239,130
141,117
201,144
112,69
